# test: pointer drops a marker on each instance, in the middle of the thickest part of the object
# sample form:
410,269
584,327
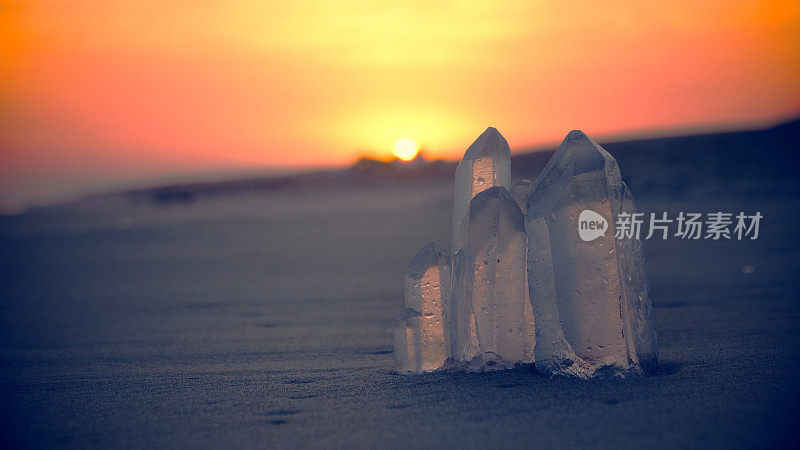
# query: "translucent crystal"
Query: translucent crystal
486,163
492,321
593,315
420,342
520,189
408,342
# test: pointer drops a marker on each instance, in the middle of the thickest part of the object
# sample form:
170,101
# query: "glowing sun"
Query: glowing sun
405,149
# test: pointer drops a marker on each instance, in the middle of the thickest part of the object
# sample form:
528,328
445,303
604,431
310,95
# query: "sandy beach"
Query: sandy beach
264,320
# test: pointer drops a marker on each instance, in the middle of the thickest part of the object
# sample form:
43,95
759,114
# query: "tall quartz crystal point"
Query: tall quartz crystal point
589,297
486,163
419,333
492,318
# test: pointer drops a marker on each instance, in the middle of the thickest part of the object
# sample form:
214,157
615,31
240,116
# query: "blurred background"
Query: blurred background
98,94
208,209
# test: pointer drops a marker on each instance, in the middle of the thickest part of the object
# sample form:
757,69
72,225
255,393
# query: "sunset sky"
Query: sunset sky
95,93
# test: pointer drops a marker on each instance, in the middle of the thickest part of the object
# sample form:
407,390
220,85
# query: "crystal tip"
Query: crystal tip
429,255
497,195
576,134
489,142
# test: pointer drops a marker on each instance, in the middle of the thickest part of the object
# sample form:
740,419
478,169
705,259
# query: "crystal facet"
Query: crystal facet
520,190
486,163
419,333
593,314
492,325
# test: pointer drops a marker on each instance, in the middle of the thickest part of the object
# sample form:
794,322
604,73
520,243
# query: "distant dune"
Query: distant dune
675,165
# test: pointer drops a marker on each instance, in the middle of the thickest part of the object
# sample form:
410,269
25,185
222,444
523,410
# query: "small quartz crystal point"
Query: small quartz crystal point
419,333
486,163
492,321
408,342
589,297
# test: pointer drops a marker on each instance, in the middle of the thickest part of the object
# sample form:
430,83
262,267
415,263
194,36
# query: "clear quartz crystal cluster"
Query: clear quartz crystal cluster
525,288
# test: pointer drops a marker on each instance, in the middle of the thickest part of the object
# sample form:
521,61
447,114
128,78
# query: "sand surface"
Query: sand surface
265,320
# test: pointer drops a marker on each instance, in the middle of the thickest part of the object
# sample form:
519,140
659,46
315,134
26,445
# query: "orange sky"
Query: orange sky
98,92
